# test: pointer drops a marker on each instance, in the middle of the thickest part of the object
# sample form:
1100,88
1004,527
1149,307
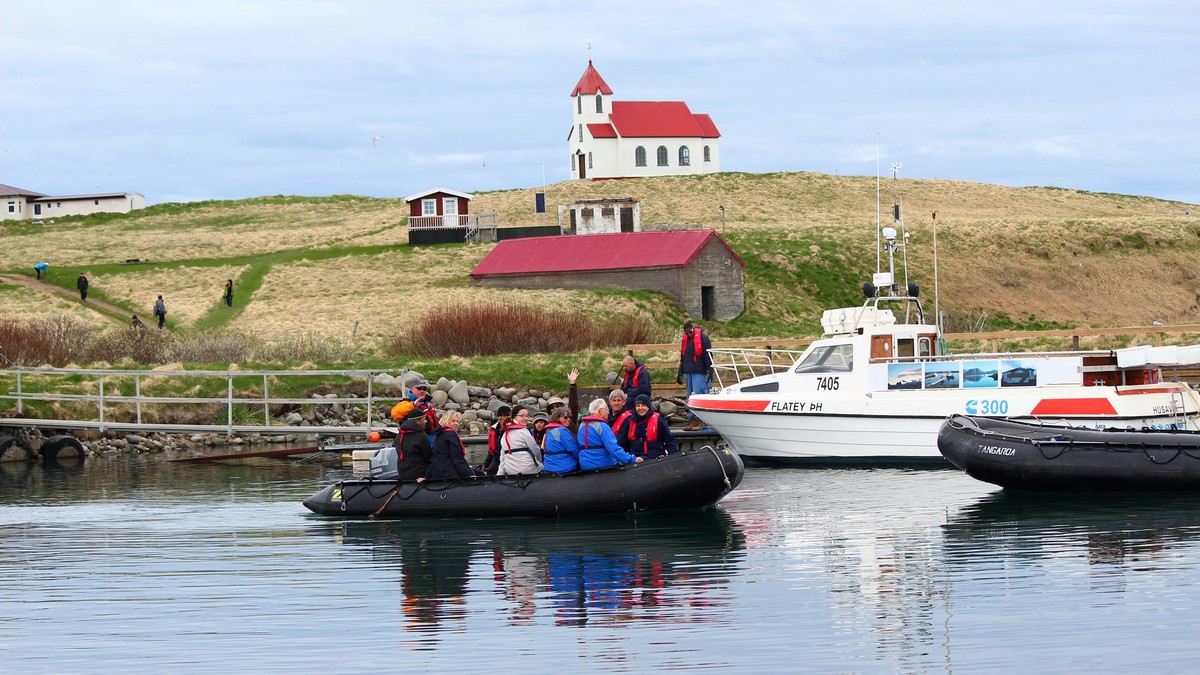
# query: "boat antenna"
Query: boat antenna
878,215
898,217
937,311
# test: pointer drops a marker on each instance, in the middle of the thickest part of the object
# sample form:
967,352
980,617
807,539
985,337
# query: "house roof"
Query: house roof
10,191
602,131
596,252
591,82
97,195
635,119
456,193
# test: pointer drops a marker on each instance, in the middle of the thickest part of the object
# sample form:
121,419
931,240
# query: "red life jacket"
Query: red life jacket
587,427
695,345
400,431
651,431
507,442
636,375
616,425
547,432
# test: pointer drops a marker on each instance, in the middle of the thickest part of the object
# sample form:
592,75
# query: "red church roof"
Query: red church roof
640,119
591,82
596,252
602,131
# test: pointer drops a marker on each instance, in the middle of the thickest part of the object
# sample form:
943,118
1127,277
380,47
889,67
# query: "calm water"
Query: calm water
142,566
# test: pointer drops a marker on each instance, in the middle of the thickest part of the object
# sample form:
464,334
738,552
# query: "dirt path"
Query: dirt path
44,287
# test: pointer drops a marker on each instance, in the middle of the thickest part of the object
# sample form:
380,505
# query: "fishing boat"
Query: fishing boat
877,385
686,479
1036,456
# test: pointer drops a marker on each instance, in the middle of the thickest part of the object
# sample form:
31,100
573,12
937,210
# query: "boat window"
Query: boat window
831,359
904,348
925,347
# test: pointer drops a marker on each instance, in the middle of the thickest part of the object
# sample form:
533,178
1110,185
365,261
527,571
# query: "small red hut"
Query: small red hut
439,207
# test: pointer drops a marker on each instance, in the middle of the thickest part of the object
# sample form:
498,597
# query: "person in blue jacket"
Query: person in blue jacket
597,444
560,451
647,434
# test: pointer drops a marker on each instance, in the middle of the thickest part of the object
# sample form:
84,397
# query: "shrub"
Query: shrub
56,341
506,328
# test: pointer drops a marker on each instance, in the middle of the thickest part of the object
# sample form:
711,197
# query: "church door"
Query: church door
581,162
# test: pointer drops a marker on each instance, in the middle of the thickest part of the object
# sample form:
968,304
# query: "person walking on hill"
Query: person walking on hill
82,284
160,310
42,268
228,293
694,363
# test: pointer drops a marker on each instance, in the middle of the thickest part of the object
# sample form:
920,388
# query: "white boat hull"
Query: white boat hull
902,426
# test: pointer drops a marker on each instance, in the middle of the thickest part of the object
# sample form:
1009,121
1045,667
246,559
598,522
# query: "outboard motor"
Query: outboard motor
385,463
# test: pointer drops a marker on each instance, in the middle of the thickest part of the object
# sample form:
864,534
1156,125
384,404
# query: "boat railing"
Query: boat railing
731,366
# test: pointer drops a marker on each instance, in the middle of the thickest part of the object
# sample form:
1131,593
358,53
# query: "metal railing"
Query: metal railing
25,386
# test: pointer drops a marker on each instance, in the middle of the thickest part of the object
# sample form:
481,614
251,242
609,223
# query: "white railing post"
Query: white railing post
101,378
20,408
137,392
266,404
229,403
370,420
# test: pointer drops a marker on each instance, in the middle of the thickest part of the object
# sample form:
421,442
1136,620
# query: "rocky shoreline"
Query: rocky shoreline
478,406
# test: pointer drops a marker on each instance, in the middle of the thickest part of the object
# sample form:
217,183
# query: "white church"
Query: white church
626,139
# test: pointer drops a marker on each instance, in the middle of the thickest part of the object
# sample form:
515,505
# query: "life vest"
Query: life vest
507,442
400,431
620,419
635,375
651,431
695,345
549,427
586,422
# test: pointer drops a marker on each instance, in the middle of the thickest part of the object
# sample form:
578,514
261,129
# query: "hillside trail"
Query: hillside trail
44,287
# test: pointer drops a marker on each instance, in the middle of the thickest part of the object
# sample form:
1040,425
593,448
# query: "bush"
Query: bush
56,341
505,328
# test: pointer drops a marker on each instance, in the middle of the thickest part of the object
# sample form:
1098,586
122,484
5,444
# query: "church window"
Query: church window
685,156
580,133
589,160
599,104
579,104
663,159
639,156
572,162
707,154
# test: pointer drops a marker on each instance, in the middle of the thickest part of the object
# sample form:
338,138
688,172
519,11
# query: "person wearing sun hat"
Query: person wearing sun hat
412,443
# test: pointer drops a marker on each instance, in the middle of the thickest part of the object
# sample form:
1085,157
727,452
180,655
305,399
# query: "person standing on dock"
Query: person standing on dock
82,284
636,382
694,363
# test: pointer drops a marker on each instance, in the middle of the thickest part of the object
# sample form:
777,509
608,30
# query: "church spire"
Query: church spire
591,83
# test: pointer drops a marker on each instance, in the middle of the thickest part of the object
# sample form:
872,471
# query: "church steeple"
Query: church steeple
591,83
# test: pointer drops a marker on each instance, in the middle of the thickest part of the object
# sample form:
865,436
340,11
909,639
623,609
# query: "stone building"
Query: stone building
600,215
696,267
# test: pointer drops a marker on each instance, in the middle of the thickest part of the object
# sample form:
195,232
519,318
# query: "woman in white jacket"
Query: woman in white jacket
519,453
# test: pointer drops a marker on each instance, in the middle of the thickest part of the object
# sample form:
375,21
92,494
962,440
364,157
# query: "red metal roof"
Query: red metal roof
591,82
602,131
595,252
641,119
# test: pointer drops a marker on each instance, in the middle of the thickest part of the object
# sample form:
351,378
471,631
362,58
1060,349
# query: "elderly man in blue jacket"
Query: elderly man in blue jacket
598,446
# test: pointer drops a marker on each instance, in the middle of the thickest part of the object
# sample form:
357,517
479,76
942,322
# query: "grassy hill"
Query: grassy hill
340,265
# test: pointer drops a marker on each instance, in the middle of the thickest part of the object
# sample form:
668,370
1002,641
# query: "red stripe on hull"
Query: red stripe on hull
1074,406
723,404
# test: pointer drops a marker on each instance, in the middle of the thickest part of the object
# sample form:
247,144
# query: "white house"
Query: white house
20,204
625,139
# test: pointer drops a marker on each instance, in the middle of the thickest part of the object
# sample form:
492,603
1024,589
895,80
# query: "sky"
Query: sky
222,99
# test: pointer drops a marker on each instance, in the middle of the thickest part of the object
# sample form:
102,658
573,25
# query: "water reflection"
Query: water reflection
673,567
1132,529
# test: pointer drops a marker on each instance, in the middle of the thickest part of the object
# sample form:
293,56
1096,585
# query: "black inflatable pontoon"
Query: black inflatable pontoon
1031,456
687,479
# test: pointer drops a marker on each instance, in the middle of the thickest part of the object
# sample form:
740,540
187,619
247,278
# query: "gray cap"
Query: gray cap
418,382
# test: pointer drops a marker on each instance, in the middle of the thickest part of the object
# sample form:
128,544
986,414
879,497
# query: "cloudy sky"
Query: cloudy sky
230,99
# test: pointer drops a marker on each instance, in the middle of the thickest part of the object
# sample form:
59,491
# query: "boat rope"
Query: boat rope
375,515
728,484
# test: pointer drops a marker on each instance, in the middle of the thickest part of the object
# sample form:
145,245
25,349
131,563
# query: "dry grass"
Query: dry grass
188,292
18,303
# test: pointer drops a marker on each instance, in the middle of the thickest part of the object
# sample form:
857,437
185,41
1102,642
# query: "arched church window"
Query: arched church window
663,159
685,156
639,156
707,154
599,104
579,104
589,160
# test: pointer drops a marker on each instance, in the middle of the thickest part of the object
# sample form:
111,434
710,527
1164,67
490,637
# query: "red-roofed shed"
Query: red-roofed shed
696,267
